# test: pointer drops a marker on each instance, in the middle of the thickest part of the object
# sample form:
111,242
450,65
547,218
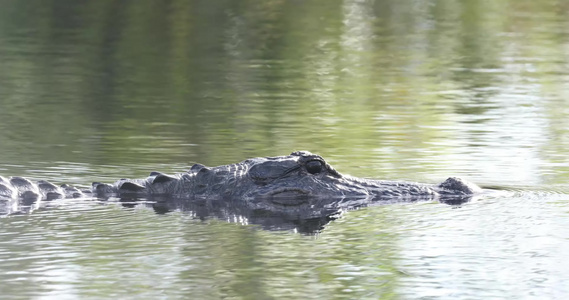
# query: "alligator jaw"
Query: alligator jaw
289,196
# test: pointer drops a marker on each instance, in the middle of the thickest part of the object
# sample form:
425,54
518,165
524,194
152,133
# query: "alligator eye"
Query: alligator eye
314,167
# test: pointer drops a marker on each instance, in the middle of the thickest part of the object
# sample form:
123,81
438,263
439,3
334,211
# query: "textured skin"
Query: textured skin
290,180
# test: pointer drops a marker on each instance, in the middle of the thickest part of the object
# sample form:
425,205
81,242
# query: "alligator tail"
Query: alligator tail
23,188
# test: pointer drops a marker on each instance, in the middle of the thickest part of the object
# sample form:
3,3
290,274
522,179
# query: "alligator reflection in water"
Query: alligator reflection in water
299,191
307,218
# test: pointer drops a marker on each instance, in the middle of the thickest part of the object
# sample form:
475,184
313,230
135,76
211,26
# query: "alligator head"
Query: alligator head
302,177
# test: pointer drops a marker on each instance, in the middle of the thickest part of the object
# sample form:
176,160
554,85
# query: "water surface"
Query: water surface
401,90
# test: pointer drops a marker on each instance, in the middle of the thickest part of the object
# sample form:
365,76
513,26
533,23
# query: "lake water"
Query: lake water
399,90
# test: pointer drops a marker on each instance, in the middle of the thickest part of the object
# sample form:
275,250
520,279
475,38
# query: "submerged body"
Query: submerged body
299,191
281,180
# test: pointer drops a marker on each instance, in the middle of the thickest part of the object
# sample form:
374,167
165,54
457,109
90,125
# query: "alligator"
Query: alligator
301,185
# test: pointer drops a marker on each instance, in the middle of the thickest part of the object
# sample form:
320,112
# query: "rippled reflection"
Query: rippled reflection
414,90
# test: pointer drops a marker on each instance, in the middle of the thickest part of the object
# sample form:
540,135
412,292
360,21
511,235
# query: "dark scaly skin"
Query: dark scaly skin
282,180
